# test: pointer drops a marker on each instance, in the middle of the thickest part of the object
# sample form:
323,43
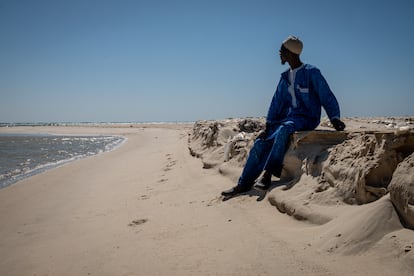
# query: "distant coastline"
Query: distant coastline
389,119
25,124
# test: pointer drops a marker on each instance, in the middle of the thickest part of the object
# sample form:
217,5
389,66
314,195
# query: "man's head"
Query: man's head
290,49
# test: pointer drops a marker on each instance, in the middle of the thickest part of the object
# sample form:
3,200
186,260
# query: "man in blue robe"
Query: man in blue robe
296,105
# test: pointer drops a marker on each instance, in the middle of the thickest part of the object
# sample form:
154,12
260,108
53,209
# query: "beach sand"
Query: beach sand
149,208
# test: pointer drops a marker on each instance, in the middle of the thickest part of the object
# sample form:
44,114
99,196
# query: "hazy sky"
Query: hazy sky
188,60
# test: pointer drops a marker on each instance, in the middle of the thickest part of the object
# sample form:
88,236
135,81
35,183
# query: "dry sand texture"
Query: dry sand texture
149,207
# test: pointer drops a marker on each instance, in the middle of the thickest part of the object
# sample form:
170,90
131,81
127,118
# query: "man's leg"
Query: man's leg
253,168
255,162
264,182
274,162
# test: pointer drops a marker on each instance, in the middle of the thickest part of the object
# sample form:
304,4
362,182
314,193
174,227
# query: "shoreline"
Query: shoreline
77,129
43,167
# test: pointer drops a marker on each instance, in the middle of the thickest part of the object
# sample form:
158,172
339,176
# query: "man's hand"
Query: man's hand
262,135
338,124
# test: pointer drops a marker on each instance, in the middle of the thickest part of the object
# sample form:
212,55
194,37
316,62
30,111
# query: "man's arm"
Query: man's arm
278,108
327,99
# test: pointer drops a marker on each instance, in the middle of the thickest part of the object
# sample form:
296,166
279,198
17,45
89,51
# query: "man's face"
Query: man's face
283,54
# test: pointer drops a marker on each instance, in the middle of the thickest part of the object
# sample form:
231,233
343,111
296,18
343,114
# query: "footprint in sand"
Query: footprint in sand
143,197
214,201
137,222
171,163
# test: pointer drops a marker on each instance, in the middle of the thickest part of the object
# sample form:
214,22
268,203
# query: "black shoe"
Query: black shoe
235,191
263,184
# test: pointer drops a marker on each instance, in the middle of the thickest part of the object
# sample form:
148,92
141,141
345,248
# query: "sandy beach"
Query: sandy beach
150,208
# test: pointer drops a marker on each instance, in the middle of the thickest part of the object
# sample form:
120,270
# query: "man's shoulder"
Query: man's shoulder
306,67
311,70
310,67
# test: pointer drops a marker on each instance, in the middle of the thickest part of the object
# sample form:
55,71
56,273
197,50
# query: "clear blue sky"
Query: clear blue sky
188,60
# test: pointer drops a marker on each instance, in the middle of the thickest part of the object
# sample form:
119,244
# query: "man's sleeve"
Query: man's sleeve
326,97
276,107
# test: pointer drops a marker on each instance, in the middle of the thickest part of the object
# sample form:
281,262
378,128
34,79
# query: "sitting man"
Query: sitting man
296,105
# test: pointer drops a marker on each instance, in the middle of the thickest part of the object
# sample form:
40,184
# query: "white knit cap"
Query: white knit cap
293,44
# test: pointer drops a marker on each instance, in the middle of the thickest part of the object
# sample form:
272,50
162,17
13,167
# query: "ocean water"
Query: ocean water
24,155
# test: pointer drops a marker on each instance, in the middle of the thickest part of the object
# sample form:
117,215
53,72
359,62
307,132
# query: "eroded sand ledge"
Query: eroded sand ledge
361,179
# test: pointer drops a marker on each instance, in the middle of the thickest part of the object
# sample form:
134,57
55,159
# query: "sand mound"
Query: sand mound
361,167
358,229
216,142
300,201
402,191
